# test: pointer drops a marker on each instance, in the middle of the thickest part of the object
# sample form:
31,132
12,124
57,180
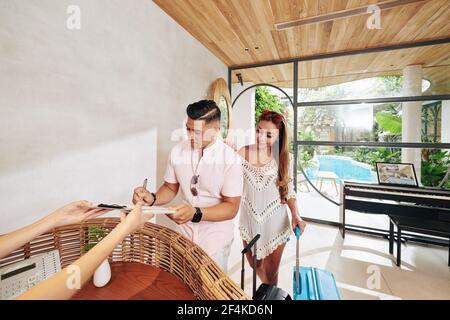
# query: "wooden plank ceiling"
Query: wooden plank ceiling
241,32
435,61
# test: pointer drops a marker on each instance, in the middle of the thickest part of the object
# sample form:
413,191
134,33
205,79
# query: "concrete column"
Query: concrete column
445,124
412,115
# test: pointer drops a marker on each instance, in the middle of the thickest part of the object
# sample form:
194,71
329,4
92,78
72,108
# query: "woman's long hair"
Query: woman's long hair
282,145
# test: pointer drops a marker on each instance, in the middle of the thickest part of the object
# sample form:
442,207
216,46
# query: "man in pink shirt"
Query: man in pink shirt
209,175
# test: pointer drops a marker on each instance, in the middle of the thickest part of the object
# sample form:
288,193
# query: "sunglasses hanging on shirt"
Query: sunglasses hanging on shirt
194,181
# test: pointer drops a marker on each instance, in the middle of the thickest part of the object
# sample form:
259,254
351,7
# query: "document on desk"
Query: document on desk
157,210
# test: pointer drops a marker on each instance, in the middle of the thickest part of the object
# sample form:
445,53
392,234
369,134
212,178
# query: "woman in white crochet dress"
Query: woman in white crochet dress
268,191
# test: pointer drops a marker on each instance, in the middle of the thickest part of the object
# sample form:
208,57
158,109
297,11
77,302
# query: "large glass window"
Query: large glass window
370,122
358,163
257,89
354,110
327,167
374,75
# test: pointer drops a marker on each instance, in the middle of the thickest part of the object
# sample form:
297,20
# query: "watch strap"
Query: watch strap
197,215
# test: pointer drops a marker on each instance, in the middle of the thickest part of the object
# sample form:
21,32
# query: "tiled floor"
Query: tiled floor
356,261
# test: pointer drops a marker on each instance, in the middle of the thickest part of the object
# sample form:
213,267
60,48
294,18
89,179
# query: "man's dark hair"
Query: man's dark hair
204,110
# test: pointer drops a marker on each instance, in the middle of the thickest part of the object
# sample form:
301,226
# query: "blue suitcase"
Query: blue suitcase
313,283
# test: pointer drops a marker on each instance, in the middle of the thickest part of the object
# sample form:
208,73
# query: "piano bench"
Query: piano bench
416,225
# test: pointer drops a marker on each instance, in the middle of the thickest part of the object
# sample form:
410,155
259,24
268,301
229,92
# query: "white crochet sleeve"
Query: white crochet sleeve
291,191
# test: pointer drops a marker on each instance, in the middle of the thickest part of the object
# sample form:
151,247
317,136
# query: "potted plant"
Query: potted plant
103,273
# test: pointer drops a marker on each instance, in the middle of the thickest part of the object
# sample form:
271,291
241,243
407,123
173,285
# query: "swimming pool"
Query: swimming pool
344,167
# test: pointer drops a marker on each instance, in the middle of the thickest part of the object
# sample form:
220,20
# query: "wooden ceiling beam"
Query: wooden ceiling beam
342,14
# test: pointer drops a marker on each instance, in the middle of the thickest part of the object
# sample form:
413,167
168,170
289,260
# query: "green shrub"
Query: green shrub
94,236
435,164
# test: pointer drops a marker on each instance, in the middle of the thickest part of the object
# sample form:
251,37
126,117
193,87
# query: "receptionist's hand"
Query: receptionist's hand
184,213
136,219
141,194
73,213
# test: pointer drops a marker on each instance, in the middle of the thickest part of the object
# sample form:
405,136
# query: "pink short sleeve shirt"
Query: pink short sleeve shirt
220,174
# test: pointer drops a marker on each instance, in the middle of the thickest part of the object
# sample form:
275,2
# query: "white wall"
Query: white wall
243,115
88,114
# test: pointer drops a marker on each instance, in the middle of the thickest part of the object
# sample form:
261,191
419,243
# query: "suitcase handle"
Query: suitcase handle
297,232
297,259
244,251
250,244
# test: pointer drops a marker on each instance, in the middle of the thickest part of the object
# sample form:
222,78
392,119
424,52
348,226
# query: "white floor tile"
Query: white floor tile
355,261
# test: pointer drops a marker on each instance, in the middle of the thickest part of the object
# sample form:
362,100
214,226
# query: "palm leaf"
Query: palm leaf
389,122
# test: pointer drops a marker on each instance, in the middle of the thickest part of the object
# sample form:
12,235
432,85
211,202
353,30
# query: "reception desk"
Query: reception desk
137,281
153,263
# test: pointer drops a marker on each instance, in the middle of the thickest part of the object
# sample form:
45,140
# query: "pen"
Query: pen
145,184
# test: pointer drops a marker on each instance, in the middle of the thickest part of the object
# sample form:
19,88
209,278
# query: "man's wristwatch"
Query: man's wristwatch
197,215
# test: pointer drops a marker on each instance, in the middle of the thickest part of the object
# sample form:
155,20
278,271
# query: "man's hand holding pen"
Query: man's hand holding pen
141,194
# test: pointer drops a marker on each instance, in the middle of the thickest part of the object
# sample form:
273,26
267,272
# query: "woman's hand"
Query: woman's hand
297,221
75,212
135,220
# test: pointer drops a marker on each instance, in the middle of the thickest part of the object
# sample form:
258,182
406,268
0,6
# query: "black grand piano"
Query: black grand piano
415,209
